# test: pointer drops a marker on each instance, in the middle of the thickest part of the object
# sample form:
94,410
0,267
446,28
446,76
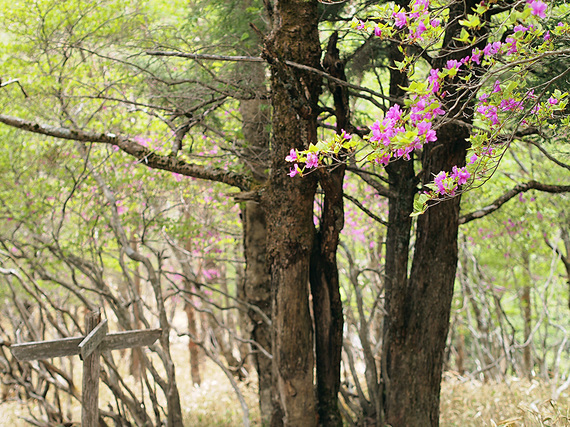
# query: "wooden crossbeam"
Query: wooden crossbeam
89,348
37,350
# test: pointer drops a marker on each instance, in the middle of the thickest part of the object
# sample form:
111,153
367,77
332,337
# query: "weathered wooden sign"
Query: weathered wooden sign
89,348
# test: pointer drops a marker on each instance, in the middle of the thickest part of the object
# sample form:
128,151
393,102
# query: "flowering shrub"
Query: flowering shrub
498,73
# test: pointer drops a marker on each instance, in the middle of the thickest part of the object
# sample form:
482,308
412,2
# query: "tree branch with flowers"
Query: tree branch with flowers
493,78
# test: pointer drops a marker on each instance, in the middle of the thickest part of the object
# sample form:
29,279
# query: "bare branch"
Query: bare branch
365,210
259,59
519,188
145,155
549,156
17,81
368,178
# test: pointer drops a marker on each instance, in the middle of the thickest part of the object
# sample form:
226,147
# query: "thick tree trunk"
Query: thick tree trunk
288,204
402,182
418,307
418,311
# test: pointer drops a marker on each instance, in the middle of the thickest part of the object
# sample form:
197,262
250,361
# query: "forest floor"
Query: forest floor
463,402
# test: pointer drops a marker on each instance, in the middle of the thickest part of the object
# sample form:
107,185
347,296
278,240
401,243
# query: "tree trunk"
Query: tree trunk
288,204
258,293
136,353
419,307
193,348
402,183
257,286
325,286
327,304
418,311
527,318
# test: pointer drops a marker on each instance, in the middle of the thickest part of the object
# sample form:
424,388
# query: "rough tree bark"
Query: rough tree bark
288,205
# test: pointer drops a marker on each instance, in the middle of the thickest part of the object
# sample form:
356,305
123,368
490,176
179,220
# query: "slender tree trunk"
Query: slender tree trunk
327,304
257,286
325,286
258,293
193,348
288,205
136,353
418,311
527,317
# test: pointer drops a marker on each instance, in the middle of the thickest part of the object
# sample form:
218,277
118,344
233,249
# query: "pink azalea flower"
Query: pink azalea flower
312,161
492,48
420,30
292,156
538,8
547,36
453,63
473,159
377,32
476,56
512,42
438,180
510,104
384,160
294,171
434,80
431,136
497,87
461,174
552,101
404,152
400,19
394,113
423,127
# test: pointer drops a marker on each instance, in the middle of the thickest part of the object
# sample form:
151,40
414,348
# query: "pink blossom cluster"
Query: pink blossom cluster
391,131
311,159
417,19
447,183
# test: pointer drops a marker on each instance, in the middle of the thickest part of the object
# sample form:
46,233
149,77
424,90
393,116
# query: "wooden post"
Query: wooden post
91,370
89,348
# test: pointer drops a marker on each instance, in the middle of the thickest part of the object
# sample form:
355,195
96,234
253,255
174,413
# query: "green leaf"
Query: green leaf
472,21
463,37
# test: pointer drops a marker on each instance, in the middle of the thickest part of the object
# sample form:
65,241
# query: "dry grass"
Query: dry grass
463,403
520,403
